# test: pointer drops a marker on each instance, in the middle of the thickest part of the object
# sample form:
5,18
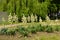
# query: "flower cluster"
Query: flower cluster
35,18
24,20
47,19
10,19
32,18
13,18
28,19
40,20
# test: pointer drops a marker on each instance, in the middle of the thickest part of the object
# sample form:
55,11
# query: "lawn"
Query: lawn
37,36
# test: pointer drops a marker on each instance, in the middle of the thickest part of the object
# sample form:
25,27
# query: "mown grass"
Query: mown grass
37,36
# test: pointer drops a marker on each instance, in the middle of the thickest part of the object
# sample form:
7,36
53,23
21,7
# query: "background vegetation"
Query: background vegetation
27,7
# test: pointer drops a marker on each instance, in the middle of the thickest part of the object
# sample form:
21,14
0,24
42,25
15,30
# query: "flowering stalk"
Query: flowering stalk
32,18
10,18
15,18
40,20
28,18
24,20
47,19
36,18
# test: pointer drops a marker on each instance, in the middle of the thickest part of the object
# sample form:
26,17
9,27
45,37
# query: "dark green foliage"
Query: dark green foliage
31,29
26,7
57,28
6,31
3,31
49,29
23,31
16,29
10,32
36,28
53,8
40,28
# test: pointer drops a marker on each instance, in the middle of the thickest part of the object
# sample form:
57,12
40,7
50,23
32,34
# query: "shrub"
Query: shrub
23,31
32,18
35,18
49,29
57,28
15,18
36,28
24,19
10,18
6,31
28,19
10,32
40,28
31,29
16,29
3,31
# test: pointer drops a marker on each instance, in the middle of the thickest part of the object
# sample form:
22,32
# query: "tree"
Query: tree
10,7
27,7
3,5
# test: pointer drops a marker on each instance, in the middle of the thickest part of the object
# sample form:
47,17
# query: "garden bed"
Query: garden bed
30,31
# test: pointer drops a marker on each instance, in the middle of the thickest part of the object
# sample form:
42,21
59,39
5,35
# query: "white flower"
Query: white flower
15,18
24,20
36,18
32,18
47,18
10,18
28,18
40,20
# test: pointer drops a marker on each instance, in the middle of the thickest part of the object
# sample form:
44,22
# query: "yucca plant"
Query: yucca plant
49,29
28,19
15,18
23,31
57,28
35,18
31,29
32,18
41,28
10,32
40,20
24,20
47,19
10,19
3,31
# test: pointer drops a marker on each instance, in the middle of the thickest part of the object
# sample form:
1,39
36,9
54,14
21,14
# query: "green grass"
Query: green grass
37,36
